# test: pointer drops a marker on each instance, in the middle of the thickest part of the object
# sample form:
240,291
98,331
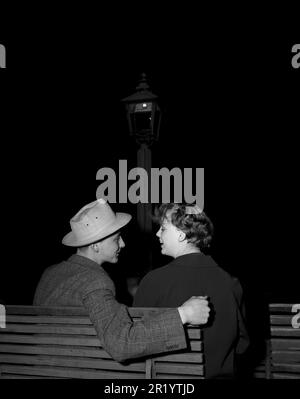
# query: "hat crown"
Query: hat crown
94,222
92,218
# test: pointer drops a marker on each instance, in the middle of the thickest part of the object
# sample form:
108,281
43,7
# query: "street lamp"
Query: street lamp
144,118
143,113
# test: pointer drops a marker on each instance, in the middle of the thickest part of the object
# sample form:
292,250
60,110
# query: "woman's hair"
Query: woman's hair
190,219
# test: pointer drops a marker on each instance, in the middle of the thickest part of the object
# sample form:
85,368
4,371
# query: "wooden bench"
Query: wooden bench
282,359
41,342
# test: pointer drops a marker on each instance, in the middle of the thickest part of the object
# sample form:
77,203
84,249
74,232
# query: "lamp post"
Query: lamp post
144,117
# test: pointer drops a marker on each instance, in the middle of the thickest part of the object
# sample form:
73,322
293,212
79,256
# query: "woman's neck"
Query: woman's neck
188,250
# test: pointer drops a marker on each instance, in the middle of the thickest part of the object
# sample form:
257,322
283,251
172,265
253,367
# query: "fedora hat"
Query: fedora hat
94,222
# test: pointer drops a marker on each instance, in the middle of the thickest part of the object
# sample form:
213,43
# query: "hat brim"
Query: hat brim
121,220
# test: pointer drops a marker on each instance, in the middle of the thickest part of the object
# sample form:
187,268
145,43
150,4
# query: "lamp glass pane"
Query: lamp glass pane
143,107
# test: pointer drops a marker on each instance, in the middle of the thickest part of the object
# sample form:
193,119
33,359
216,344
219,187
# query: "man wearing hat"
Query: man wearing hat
81,280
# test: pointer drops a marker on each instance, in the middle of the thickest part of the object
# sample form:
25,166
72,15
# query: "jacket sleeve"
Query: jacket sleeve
124,338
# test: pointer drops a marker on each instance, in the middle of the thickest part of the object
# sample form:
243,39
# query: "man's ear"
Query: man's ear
182,236
95,247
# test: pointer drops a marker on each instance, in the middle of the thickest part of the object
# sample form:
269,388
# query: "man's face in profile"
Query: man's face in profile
111,247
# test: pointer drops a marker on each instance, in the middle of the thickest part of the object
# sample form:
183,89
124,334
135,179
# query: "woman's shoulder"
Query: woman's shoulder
158,272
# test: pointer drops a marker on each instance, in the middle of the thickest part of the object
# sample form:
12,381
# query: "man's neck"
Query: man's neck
88,255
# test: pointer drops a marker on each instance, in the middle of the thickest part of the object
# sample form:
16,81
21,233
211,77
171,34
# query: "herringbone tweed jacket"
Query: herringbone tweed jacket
81,282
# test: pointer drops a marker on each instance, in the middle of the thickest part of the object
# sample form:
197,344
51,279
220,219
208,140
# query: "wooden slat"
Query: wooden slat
66,340
67,372
285,320
77,311
194,357
73,311
51,339
280,307
285,332
67,329
78,362
22,377
286,356
196,346
85,320
287,344
285,376
291,368
50,329
178,368
59,350
149,369
194,333
45,310
178,377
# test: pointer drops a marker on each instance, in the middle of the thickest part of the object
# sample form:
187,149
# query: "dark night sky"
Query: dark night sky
230,106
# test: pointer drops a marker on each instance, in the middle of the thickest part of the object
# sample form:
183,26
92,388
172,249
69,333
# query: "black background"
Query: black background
224,78
229,93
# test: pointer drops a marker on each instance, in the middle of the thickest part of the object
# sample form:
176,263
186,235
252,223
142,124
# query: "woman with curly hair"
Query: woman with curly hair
185,231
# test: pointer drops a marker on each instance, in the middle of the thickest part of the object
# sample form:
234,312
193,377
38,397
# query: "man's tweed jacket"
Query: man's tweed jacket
80,281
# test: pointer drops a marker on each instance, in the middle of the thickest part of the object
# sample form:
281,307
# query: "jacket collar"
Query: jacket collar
83,261
195,258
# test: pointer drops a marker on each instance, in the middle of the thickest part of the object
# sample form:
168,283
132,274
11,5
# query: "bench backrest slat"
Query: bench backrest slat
62,343
284,342
70,361
71,311
65,372
55,350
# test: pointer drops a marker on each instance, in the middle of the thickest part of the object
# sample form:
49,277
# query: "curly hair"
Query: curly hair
197,227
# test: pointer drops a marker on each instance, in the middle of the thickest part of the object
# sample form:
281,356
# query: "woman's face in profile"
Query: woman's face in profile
168,236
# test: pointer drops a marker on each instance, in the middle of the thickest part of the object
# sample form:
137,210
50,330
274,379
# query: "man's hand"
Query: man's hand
194,311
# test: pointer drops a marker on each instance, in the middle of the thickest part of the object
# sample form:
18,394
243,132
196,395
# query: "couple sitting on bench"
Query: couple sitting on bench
198,290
